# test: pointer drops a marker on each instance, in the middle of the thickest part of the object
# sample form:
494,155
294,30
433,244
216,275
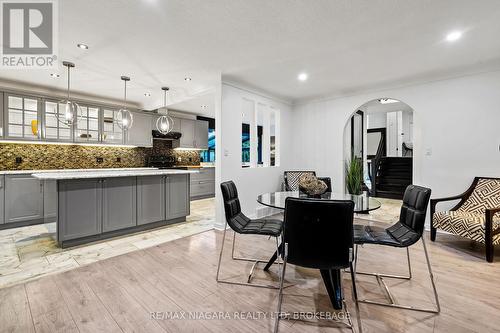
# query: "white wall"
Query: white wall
456,131
256,180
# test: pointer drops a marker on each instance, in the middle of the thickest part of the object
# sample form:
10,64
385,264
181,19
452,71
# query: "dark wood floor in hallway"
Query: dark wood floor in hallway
136,292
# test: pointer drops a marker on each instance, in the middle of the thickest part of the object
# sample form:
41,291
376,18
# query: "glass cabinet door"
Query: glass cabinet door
111,133
87,125
55,130
22,117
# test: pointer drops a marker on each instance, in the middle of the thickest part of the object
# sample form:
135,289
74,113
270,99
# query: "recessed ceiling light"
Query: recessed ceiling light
453,36
187,79
54,75
147,94
387,101
83,46
302,77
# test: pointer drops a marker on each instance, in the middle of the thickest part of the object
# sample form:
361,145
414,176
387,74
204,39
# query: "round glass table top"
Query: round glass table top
362,203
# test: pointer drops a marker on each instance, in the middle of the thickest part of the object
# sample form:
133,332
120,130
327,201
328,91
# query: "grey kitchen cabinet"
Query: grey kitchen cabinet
49,200
201,134
188,133
177,125
80,208
194,134
150,199
119,204
177,196
23,198
140,132
202,184
2,197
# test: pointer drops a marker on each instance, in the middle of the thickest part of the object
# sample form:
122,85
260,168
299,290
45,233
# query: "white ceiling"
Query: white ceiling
345,46
200,105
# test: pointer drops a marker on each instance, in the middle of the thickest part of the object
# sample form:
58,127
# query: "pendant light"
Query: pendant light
123,117
69,111
165,123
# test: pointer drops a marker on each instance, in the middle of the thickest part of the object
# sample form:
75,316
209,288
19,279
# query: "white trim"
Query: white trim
258,92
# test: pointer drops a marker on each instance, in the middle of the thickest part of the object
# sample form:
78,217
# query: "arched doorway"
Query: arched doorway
380,135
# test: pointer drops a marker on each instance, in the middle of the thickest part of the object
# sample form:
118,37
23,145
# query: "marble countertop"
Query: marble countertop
26,172
108,173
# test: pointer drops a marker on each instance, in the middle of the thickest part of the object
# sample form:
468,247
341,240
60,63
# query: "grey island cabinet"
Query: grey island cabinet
96,205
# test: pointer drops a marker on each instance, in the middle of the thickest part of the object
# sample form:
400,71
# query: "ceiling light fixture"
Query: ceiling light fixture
302,76
68,110
204,106
187,79
165,123
453,36
83,46
387,101
55,75
123,117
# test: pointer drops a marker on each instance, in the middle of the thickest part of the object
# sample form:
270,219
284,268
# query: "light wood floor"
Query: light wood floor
119,294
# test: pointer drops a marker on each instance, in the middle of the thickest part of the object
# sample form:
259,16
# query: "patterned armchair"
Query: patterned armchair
475,216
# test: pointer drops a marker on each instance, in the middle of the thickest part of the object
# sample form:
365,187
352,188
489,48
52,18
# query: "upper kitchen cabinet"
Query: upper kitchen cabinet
187,130
194,134
201,134
22,117
54,129
140,132
87,125
111,132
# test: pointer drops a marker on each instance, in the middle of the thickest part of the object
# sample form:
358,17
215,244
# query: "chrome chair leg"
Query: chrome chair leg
280,295
393,302
382,275
248,283
349,323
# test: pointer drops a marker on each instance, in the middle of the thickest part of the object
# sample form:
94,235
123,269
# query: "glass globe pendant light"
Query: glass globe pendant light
123,117
165,123
68,111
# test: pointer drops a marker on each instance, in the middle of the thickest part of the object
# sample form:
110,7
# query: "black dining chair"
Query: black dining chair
405,233
241,224
318,234
292,179
328,182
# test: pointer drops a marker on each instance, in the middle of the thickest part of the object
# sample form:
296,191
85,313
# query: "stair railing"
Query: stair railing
374,165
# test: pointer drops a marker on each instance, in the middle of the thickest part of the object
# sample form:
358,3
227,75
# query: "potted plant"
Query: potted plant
354,176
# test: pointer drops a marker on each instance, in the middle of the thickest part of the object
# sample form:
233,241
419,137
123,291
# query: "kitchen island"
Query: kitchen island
93,205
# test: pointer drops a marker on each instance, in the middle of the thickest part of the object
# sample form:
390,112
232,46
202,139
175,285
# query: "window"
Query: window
245,144
87,125
209,154
22,117
112,133
54,130
259,134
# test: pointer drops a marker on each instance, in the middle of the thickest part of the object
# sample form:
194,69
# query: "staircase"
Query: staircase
394,174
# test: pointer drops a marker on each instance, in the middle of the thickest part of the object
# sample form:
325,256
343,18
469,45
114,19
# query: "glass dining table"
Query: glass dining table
363,204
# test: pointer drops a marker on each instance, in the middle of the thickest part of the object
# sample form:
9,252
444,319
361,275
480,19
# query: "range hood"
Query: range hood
157,135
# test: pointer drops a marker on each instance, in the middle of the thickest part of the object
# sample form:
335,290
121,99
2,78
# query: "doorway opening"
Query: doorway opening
380,134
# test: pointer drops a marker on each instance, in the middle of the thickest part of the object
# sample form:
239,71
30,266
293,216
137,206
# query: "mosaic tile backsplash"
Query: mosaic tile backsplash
15,156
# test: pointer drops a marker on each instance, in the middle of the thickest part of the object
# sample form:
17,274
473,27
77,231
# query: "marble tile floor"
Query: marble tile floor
29,252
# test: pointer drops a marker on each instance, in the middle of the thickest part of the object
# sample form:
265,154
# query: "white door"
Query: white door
394,133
